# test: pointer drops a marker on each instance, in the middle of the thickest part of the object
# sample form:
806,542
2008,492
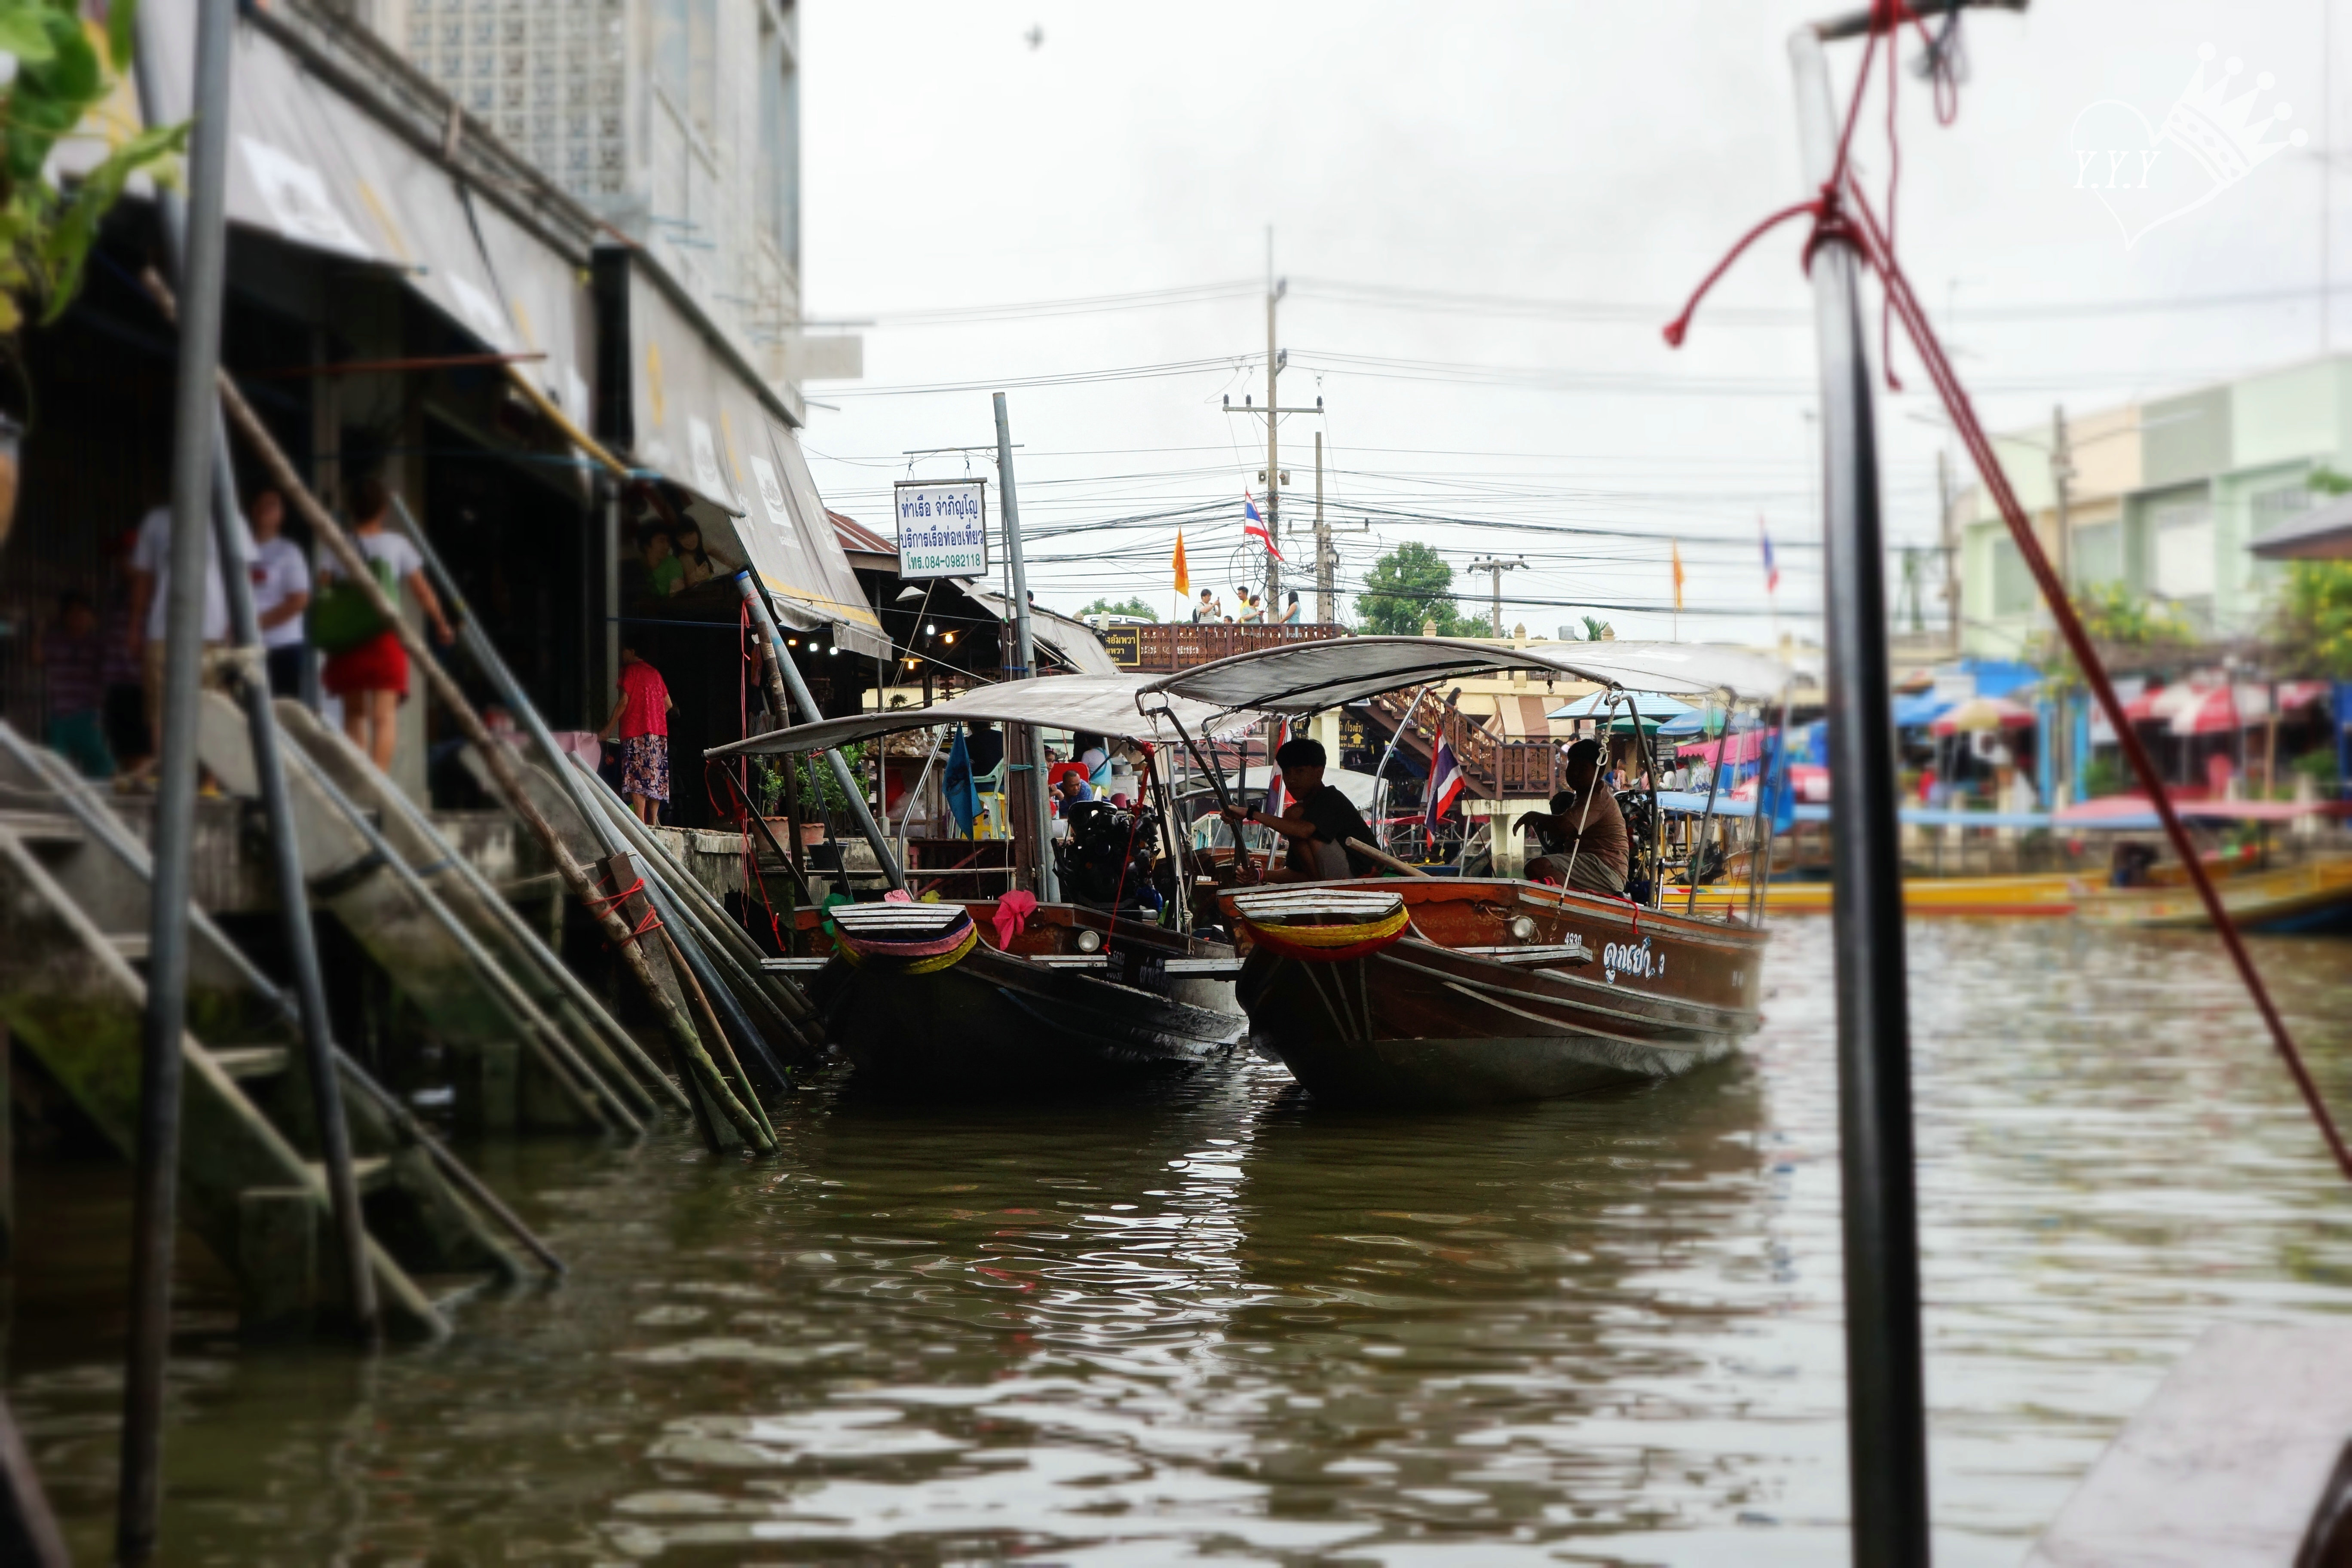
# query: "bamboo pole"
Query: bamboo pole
495,756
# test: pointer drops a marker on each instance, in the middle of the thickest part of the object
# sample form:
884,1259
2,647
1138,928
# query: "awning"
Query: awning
1073,642
311,166
1307,676
699,419
1105,705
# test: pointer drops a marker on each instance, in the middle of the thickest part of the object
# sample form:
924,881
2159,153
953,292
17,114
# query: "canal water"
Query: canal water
1230,1326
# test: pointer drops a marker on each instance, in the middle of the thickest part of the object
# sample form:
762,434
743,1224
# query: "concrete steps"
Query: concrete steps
73,918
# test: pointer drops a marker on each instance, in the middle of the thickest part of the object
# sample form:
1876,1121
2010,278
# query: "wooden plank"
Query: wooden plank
2228,1464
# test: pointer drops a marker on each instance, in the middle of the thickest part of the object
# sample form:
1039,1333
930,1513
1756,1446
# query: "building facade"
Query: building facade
2162,497
677,123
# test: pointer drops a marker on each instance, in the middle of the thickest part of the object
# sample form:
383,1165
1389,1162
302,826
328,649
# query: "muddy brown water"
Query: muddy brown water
1227,1325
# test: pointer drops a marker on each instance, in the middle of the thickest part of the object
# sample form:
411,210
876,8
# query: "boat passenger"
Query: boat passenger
1318,820
1585,844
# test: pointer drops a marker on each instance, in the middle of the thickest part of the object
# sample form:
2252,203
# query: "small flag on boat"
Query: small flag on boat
1445,786
1255,526
1677,548
1771,567
1183,577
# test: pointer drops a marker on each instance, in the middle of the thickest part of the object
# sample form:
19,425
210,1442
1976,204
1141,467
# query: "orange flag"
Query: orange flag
1678,576
1183,577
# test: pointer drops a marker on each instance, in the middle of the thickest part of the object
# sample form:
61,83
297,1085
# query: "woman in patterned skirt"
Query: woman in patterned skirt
642,717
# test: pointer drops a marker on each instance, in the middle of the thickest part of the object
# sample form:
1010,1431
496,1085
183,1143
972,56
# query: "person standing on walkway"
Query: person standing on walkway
281,591
366,667
72,657
151,588
642,717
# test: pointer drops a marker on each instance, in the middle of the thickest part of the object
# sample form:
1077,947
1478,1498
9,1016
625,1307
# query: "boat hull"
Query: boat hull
1600,995
999,1025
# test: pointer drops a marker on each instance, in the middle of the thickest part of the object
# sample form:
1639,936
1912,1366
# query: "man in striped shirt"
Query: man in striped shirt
72,657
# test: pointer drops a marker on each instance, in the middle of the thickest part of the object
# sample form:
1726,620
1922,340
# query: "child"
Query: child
73,656
642,715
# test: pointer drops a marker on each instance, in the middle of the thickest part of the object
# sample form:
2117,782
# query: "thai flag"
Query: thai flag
1255,526
1771,567
1445,787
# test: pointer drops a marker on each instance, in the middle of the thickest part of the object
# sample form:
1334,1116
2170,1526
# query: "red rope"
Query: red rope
1843,214
605,906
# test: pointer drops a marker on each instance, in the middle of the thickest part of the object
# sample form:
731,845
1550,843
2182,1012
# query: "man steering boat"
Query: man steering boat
1318,821
1583,839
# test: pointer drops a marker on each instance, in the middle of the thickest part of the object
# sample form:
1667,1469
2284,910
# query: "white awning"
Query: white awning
1099,704
1309,676
698,420
1073,642
311,166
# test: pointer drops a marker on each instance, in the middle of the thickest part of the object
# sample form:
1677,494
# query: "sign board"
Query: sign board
1126,645
942,528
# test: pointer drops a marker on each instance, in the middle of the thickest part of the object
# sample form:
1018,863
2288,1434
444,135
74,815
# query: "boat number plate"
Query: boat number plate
1633,958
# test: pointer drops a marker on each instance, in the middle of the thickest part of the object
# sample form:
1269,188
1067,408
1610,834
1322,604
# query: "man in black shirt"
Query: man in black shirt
1318,821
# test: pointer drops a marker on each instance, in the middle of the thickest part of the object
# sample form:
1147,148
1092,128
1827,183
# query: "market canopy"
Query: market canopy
1653,708
1309,676
1984,713
1101,704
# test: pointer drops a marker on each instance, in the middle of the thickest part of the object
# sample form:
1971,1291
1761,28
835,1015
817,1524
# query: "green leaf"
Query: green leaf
25,31
121,33
67,248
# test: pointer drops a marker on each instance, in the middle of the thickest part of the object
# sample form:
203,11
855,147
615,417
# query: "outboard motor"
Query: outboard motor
1108,856
1640,809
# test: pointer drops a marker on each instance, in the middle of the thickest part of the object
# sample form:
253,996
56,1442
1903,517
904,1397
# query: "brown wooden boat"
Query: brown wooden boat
926,1001
1413,992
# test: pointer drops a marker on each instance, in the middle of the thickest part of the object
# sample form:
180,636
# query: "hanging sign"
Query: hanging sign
942,528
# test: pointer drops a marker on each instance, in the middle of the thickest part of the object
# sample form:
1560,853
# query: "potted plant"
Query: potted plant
55,70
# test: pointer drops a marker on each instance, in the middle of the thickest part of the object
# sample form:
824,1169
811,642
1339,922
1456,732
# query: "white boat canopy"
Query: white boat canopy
1102,704
1309,676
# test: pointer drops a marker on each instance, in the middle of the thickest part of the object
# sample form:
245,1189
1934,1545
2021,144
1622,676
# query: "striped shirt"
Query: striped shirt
76,668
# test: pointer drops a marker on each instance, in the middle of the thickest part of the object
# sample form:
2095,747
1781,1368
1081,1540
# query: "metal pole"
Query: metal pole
781,673
1325,611
155,1184
229,541
1886,1421
1025,650
1706,820
1381,772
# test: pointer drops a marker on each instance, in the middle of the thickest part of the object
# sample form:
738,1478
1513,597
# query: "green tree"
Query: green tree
1408,586
45,232
1136,608
2312,626
2115,618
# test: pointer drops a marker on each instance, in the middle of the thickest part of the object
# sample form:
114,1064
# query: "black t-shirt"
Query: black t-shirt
1336,820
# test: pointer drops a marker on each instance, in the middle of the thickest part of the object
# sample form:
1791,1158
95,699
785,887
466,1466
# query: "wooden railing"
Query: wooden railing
1182,645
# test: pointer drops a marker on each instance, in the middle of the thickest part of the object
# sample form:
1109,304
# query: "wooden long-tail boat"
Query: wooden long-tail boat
949,1000
1439,991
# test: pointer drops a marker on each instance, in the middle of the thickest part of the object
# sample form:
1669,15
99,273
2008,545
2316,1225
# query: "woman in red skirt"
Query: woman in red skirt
371,677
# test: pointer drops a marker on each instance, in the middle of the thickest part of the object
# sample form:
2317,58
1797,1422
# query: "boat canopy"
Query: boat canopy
1307,678
1103,704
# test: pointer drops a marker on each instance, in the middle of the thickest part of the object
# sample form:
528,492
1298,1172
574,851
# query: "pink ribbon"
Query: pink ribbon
1012,911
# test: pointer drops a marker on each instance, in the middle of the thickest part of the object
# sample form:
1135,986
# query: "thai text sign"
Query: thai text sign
942,528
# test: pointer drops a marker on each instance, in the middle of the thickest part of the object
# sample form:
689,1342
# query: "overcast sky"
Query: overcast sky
1483,215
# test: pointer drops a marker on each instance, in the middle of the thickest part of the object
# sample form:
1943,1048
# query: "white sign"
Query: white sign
943,529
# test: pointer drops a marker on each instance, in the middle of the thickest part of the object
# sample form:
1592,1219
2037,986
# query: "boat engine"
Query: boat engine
1108,855
1640,809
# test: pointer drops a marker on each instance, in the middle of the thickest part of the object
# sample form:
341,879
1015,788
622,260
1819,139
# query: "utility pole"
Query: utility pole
1952,546
1325,556
1274,292
1497,566
2061,475
1276,288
